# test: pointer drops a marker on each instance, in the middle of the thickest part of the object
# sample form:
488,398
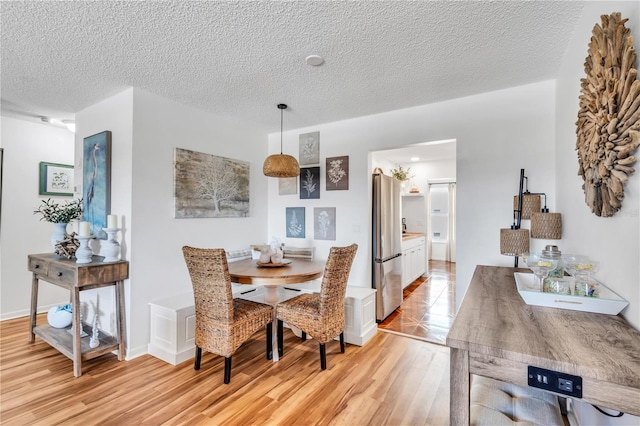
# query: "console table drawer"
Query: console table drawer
64,275
38,266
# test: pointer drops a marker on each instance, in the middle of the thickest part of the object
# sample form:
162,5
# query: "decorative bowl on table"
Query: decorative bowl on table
284,262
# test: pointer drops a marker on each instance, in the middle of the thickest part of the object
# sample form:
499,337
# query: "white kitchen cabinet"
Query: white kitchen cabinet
414,262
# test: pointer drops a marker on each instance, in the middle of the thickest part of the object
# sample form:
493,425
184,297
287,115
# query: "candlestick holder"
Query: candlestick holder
84,253
111,248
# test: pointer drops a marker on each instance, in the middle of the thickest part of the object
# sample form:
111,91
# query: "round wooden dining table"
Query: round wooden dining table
298,271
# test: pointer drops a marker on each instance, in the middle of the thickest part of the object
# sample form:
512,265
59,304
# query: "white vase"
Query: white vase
59,318
58,233
276,256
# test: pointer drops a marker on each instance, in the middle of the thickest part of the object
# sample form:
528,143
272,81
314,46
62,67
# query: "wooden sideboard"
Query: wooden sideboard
495,334
76,277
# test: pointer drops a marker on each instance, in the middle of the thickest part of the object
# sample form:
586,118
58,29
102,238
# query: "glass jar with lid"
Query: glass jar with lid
552,252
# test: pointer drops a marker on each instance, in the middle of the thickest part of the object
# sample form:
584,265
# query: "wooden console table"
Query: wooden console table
495,334
76,277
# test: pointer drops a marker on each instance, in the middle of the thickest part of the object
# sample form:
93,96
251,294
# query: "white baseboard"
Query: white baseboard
173,358
26,312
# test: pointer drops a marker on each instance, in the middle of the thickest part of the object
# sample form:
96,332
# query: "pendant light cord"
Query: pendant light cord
281,107
281,121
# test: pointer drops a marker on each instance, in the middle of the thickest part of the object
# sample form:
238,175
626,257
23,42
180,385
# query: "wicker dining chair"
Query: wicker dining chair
321,315
222,322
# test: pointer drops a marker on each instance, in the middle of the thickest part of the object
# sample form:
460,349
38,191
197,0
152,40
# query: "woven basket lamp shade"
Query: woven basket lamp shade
546,225
530,204
281,165
514,242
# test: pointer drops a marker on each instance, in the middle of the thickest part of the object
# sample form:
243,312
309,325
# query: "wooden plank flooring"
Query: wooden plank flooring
392,380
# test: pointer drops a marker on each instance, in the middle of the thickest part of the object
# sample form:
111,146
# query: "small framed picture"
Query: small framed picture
288,186
295,222
309,183
337,173
324,223
309,148
56,179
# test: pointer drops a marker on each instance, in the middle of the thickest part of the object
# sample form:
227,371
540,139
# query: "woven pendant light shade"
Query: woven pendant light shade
514,242
546,225
530,204
280,166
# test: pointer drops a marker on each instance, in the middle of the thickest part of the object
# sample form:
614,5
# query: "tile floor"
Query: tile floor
428,307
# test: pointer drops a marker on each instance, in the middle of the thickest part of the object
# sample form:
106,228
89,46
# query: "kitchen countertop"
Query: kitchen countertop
410,235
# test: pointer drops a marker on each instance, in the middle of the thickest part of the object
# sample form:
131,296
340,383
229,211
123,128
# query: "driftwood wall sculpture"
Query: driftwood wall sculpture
609,117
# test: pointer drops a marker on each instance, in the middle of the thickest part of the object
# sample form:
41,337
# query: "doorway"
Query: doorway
429,302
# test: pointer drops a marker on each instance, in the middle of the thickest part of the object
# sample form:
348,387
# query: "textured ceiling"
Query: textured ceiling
238,59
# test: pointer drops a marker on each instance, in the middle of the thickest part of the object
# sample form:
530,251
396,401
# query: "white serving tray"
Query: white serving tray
608,302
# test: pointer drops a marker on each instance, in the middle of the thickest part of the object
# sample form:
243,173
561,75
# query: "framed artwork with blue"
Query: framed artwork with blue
295,222
96,182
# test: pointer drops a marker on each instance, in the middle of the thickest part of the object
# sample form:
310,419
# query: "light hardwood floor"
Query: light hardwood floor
392,380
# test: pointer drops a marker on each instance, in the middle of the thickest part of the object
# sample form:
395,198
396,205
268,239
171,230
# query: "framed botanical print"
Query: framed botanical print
309,148
337,177
295,222
324,223
309,183
56,179
288,186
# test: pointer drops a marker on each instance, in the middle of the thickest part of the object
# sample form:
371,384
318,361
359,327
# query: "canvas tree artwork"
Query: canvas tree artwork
324,223
207,185
337,170
309,183
309,148
295,222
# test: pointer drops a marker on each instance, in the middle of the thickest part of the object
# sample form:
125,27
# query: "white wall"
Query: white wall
115,115
496,134
614,241
25,145
158,269
145,131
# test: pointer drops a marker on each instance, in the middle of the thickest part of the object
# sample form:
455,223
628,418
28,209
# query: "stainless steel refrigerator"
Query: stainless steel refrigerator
387,245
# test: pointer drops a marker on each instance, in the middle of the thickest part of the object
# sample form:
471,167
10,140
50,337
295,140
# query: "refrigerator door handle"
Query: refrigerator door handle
387,258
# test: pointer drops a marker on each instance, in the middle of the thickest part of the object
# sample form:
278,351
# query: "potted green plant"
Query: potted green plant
60,215
401,174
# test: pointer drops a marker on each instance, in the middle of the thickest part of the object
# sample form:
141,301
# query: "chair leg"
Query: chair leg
196,366
323,356
227,370
270,340
303,336
280,338
342,342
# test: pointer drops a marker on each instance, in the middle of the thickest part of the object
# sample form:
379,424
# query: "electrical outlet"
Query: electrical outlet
555,381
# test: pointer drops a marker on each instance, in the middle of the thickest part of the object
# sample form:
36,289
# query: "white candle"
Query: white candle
112,221
85,229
